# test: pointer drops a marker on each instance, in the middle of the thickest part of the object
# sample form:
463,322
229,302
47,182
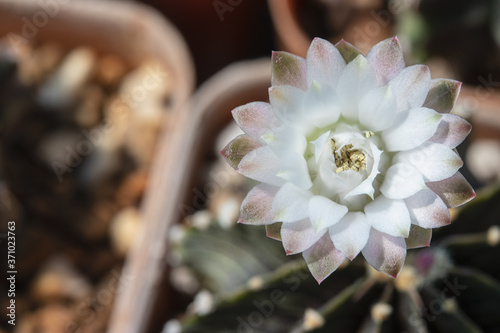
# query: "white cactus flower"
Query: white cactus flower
354,154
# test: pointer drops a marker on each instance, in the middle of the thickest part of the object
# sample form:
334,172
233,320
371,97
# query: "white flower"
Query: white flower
354,154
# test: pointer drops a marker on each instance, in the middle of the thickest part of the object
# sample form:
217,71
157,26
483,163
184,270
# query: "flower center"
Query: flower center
348,158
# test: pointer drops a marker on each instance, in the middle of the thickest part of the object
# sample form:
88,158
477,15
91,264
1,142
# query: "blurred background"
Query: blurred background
111,117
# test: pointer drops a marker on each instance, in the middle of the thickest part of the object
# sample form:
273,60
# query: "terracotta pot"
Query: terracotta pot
361,23
135,33
192,145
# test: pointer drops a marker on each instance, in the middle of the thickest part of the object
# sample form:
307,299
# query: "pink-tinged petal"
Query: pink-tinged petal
411,131
323,258
357,79
291,204
452,130
299,236
274,230
350,234
389,216
256,208
261,164
442,95
419,237
294,170
288,69
324,63
237,149
434,160
454,191
324,213
347,50
256,119
377,110
401,181
427,210
411,86
387,59
385,253
287,102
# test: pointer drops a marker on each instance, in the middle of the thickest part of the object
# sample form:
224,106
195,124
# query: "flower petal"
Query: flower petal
454,191
299,236
366,187
389,216
434,160
427,210
287,140
377,110
256,119
410,132
419,237
294,169
385,253
323,106
355,82
288,69
387,59
323,258
324,213
237,149
287,102
319,145
290,204
261,164
256,208
274,230
452,130
328,182
347,50
324,63
442,95
411,86
350,234
401,181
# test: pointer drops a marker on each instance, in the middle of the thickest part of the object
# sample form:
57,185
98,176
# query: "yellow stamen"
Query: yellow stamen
348,158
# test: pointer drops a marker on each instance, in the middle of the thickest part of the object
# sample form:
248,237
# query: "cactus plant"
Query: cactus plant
451,286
